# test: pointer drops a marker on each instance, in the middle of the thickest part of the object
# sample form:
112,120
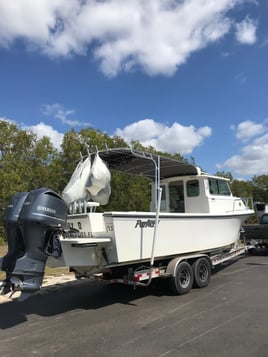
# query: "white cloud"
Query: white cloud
248,129
143,130
155,35
42,130
246,31
253,157
57,111
253,160
174,139
10,121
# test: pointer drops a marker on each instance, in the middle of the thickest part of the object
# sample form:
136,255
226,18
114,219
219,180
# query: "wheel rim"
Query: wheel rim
184,278
203,272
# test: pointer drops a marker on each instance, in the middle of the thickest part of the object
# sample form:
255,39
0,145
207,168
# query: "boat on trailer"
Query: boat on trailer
197,213
193,215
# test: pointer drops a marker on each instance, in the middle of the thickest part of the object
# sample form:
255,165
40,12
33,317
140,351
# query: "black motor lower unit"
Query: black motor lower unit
43,215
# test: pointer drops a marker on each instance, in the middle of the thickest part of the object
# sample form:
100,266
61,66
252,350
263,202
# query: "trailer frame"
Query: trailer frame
142,275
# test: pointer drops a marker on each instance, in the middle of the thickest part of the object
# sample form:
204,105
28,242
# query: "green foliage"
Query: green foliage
26,163
260,188
2,235
129,192
227,175
76,145
242,188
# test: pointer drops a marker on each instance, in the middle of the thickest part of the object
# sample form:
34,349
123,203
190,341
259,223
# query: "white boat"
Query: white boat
194,224
191,212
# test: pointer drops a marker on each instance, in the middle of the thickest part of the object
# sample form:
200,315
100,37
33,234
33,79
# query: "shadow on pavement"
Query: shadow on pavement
83,294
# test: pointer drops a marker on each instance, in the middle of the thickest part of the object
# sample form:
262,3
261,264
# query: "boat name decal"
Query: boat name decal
145,224
78,235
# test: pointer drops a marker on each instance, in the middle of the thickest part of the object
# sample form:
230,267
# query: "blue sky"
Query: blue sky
183,76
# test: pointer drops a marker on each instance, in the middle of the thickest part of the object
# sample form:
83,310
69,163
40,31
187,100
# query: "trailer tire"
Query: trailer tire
183,280
202,272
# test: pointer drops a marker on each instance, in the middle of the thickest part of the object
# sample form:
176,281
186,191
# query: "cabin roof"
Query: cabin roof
143,163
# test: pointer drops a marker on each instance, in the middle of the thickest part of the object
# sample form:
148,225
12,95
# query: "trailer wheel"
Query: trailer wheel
202,272
252,251
182,282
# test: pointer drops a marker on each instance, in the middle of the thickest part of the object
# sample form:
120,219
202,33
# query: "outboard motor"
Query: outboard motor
14,238
42,217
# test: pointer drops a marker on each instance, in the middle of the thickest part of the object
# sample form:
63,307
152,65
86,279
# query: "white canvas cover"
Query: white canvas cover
103,196
99,178
75,190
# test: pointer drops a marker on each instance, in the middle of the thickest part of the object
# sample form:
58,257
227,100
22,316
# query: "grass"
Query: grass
48,271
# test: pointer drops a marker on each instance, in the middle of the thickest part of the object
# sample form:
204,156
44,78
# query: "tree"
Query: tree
129,192
46,166
260,188
16,152
26,163
77,145
227,175
14,146
242,188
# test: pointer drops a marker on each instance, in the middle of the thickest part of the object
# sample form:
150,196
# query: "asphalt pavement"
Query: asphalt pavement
94,319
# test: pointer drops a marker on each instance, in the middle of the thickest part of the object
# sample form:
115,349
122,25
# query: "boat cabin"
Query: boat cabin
195,194
185,189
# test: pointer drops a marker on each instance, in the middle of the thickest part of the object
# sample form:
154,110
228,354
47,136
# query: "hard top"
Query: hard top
143,163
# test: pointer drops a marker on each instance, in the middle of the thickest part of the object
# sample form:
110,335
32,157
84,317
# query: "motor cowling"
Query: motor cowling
43,215
15,241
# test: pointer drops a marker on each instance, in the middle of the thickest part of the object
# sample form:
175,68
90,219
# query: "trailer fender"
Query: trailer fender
172,265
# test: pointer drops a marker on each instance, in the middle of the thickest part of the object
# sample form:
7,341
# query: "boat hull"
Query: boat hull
132,235
127,237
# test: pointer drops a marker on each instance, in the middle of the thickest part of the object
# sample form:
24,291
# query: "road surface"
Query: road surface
93,319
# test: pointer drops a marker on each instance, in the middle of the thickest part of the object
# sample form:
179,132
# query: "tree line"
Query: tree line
27,163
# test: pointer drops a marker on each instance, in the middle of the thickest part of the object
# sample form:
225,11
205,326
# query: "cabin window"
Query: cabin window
192,188
176,197
219,187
